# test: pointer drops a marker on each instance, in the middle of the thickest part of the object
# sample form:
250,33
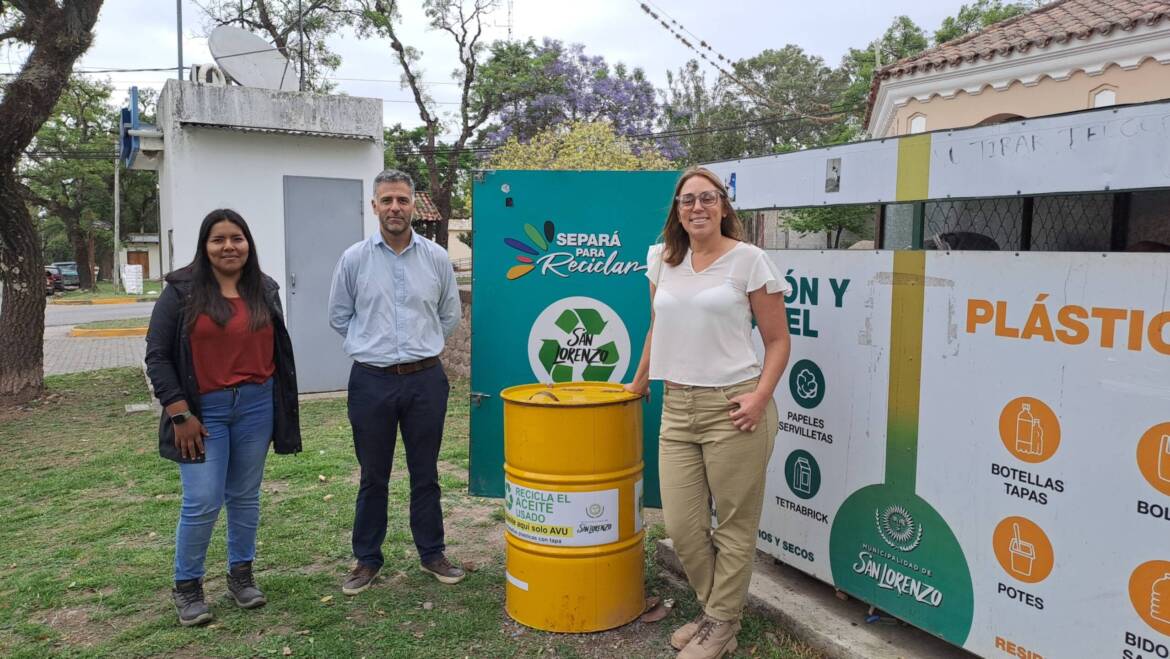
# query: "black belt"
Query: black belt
403,369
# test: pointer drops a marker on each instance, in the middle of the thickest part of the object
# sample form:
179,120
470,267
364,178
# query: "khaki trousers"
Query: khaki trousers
704,459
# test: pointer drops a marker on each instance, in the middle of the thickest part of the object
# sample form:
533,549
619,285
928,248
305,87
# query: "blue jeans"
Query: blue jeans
239,423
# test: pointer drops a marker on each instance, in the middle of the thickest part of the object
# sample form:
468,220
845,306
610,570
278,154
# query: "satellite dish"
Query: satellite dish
250,60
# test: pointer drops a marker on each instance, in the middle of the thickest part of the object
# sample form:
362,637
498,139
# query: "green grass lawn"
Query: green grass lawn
89,512
106,289
117,323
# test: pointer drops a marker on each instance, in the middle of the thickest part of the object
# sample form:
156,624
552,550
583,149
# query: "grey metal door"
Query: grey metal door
322,217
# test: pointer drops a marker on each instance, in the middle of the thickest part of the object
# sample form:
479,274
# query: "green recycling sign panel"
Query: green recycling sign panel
559,294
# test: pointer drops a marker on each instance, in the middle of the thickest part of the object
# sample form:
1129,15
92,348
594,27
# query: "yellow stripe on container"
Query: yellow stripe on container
573,506
913,182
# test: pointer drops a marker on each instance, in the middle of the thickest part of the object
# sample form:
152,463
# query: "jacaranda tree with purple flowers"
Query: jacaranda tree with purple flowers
578,87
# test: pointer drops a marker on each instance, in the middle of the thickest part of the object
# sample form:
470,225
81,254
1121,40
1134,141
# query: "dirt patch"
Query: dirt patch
76,625
453,470
322,566
476,536
257,637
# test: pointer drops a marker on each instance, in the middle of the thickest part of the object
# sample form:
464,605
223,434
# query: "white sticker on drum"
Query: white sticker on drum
522,585
638,505
565,519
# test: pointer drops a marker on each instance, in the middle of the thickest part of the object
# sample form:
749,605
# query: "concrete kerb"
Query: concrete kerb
810,611
105,300
107,332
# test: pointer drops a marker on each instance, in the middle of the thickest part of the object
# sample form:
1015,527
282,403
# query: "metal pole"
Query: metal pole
117,217
179,21
301,28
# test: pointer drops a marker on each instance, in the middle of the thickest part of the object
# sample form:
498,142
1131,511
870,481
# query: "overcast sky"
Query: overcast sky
142,33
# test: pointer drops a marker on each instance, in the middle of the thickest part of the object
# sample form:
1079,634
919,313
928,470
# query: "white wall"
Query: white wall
208,168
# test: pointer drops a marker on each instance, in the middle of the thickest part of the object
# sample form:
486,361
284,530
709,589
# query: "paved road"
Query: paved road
62,314
68,354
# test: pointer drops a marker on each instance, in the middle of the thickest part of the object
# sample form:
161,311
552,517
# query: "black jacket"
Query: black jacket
171,367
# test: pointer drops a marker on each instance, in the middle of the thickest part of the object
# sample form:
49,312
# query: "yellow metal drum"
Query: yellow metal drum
573,506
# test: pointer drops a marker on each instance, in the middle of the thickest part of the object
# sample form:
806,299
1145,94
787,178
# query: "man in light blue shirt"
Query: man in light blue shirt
395,301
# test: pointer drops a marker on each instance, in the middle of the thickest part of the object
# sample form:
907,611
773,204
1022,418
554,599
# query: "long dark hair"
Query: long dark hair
675,236
206,298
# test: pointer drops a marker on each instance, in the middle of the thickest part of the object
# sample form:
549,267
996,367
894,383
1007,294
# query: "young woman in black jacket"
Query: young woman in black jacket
220,360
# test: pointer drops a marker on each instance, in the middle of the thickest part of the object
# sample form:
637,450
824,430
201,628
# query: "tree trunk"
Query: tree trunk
58,34
91,256
22,304
80,243
443,203
440,192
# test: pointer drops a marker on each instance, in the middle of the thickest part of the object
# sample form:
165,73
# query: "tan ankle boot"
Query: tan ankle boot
713,639
684,634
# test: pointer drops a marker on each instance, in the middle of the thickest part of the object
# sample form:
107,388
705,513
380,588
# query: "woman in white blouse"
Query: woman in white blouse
718,416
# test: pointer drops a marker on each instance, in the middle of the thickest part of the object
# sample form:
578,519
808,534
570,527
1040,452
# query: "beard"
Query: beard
395,225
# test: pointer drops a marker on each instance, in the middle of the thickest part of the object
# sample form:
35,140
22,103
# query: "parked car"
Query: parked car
53,280
69,276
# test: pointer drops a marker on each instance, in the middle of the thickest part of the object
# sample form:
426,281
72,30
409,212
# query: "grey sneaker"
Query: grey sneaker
189,602
359,579
442,569
243,587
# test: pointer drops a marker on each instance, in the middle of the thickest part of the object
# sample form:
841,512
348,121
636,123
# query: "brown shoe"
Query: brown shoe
684,634
359,579
712,640
443,570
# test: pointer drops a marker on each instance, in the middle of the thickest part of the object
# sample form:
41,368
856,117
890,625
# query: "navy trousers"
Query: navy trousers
379,404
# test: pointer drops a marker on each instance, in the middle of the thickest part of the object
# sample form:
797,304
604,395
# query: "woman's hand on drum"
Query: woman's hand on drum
747,410
635,388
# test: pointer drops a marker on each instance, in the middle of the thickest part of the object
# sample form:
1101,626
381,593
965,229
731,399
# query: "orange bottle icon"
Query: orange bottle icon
1160,599
1164,459
1029,433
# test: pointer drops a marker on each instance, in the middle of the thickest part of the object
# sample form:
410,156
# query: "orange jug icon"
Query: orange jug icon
1160,599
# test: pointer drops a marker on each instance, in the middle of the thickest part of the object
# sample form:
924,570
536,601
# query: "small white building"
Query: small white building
299,167
143,249
459,251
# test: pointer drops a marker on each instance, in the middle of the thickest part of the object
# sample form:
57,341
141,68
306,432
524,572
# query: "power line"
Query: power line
654,136
682,27
751,89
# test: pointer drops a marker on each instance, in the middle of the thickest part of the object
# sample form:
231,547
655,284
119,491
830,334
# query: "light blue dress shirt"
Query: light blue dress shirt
394,308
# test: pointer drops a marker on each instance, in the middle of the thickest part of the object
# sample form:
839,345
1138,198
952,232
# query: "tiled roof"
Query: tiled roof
424,208
1059,22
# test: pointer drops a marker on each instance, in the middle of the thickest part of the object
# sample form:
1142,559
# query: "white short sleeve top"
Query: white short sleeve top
703,320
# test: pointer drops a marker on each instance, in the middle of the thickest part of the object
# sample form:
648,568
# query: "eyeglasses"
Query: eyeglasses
708,198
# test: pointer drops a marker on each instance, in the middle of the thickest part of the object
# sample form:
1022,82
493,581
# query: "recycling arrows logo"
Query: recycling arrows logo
579,339
581,328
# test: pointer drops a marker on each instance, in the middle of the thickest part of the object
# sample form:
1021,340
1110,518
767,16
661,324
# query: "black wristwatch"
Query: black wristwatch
181,417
